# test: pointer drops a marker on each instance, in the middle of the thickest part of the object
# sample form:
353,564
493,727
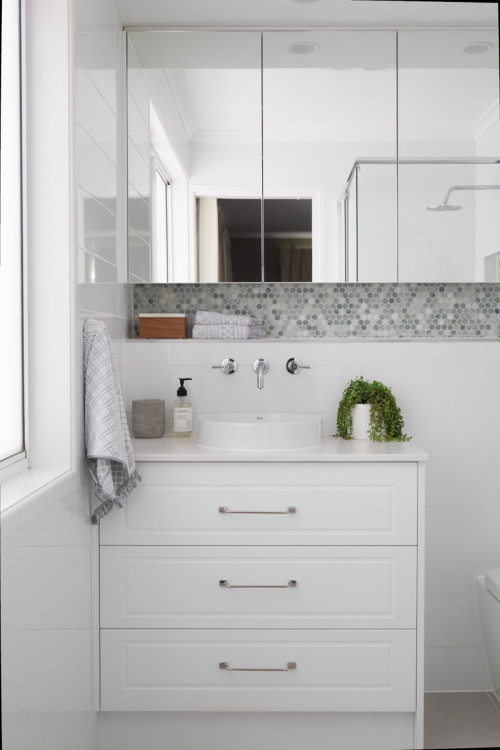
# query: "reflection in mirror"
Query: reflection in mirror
229,239
448,233
449,136
329,98
195,101
368,231
435,248
194,104
328,104
288,239
230,246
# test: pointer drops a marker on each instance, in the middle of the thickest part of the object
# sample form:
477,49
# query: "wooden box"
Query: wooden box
162,326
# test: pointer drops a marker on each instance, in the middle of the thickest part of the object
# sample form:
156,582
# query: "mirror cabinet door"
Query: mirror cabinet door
449,148
329,99
195,110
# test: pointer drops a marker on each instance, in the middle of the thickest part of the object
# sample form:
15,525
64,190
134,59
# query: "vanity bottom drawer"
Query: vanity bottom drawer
259,670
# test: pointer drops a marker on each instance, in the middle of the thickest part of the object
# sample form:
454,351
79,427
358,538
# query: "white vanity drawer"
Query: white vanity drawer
155,670
259,503
260,587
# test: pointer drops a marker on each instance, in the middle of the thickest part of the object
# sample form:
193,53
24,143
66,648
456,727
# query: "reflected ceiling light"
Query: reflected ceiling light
477,48
303,48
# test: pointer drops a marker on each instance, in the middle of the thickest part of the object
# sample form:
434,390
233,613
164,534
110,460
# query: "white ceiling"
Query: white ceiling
285,13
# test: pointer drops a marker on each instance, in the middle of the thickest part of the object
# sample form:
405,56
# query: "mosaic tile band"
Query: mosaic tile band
297,310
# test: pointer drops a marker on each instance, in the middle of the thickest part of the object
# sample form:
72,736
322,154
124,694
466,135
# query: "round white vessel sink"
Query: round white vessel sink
259,432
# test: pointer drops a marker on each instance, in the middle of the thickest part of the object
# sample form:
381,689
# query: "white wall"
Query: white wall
47,658
448,392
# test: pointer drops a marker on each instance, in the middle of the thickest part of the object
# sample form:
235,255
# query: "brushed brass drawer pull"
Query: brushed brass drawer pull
290,509
227,585
290,665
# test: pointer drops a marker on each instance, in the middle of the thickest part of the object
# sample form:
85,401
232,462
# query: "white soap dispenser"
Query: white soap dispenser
182,413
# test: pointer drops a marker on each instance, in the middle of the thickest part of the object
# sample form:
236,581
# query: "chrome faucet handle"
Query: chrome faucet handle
228,366
294,366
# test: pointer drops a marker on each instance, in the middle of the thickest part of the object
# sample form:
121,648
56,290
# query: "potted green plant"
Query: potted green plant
384,421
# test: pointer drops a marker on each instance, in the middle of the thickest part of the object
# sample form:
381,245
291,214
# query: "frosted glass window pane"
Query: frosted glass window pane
11,348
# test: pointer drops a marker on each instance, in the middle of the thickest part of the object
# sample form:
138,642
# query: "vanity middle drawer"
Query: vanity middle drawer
258,587
341,503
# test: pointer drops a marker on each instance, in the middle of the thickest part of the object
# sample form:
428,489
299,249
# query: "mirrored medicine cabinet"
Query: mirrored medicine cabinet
318,155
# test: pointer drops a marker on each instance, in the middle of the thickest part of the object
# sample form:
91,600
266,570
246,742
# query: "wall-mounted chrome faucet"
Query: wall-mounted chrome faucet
294,366
261,367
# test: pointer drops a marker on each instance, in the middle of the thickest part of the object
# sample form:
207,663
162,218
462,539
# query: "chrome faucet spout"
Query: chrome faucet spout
261,366
260,377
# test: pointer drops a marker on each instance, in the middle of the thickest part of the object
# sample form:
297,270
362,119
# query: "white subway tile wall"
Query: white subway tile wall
47,658
98,39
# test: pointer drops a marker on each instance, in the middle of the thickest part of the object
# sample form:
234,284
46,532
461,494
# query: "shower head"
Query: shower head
444,207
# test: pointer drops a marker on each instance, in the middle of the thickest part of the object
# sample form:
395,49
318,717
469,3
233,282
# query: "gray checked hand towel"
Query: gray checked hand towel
109,451
214,325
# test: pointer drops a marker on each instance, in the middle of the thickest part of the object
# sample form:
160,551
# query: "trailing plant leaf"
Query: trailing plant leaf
386,420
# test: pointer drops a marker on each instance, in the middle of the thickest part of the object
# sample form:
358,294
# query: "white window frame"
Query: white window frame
12,174
161,237
53,395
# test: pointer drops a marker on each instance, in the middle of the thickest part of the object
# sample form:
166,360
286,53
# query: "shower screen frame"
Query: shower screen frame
349,212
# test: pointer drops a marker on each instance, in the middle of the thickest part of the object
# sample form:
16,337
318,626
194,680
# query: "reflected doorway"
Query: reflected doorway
232,246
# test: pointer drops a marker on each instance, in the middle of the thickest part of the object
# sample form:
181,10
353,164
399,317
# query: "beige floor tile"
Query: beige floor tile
461,720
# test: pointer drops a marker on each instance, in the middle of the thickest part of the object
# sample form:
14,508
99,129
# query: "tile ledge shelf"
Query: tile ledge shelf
325,340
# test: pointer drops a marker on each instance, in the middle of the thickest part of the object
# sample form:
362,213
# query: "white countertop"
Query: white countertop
330,449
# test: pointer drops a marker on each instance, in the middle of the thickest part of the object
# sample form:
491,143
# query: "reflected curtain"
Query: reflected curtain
214,243
225,266
296,264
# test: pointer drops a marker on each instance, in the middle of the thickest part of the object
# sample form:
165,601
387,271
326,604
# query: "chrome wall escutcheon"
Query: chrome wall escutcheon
228,366
289,667
289,585
288,511
294,366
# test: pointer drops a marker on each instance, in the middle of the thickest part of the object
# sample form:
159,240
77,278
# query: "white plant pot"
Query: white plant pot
360,421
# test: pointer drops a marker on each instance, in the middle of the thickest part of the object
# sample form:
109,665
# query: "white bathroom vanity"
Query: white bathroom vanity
270,582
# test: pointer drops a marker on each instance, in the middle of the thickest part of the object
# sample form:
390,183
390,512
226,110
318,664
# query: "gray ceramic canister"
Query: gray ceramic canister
148,418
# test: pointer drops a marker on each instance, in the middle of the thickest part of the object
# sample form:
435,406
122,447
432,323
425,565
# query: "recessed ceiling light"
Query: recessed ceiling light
477,48
303,48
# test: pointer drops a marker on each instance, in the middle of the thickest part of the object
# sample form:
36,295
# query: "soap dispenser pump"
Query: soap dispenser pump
182,412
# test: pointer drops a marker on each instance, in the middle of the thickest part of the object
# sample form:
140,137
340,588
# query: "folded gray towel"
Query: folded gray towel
215,325
224,332
109,451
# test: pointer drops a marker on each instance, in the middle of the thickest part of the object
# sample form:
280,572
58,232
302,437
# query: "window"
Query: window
160,213
11,303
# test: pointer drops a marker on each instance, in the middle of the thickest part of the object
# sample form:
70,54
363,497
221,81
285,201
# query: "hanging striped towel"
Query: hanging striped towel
214,325
109,451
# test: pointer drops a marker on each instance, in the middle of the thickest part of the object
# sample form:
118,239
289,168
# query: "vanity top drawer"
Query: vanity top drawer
258,587
251,670
368,503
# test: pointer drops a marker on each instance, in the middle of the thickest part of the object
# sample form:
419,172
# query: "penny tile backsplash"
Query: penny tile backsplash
298,310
